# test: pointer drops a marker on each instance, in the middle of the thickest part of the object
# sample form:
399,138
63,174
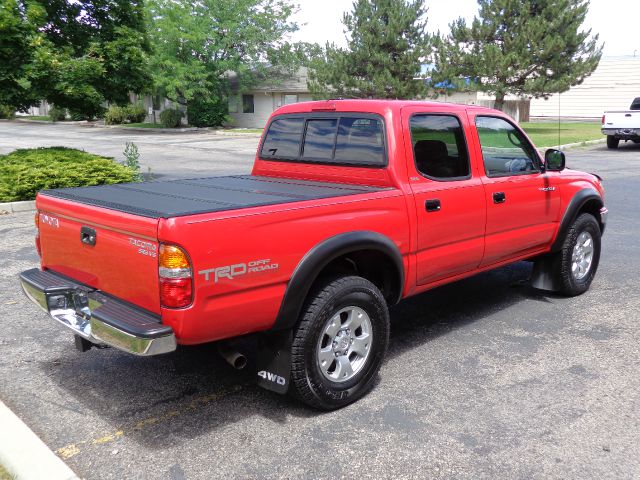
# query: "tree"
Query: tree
386,45
16,53
197,45
76,54
523,47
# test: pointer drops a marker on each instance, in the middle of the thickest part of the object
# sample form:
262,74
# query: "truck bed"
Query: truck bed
175,198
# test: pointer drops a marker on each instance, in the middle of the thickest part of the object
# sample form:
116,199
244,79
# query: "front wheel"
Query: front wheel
612,141
339,343
580,255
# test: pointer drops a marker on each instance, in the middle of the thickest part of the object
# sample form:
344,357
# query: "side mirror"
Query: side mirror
554,160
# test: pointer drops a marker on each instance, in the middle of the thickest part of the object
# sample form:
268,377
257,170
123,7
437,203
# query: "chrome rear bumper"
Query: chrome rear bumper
96,317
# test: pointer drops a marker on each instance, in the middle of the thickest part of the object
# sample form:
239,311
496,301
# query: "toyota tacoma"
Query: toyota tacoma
351,206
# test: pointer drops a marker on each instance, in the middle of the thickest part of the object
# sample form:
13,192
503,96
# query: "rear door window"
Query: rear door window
439,147
343,139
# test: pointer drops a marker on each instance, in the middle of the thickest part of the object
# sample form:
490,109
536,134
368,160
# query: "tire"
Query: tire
323,343
635,140
580,256
612,141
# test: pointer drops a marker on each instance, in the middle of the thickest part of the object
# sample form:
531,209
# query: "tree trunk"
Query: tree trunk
499,103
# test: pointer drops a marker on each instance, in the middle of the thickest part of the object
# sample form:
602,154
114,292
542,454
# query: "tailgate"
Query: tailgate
630,119
111,251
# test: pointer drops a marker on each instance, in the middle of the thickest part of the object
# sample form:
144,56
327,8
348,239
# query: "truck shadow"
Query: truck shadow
191,392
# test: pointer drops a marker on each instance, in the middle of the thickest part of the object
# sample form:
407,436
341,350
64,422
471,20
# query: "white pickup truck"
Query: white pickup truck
622,125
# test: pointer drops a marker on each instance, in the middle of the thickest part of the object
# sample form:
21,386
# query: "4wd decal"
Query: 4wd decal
272,377
232,271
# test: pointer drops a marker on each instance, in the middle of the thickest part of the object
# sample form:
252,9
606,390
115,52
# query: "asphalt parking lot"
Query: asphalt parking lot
162,155
485,378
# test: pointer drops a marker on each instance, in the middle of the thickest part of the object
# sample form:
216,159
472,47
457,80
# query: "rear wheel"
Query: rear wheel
612,141
579,256
339,343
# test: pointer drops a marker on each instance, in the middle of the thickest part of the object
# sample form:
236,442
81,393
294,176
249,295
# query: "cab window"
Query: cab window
505,149
439,147
343,139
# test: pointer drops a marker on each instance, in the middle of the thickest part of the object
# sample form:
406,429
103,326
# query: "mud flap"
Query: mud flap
544,275
274,360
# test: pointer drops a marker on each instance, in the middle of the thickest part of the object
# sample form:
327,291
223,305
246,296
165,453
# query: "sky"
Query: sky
614,20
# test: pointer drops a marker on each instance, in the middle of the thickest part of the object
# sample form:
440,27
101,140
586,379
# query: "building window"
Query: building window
233,104
290,99
247,104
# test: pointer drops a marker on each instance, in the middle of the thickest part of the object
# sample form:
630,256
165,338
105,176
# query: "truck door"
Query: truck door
449,197
522,202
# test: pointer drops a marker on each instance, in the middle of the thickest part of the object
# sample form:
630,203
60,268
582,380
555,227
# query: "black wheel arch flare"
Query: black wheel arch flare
576,205
320,256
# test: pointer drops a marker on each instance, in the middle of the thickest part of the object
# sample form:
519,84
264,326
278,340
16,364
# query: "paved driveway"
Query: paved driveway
485,378
168,155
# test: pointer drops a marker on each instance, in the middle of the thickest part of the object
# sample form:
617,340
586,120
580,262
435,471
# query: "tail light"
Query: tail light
176,277
603,119
36,220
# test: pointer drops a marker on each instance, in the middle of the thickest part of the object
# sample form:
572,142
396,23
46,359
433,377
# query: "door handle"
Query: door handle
499,197
432,205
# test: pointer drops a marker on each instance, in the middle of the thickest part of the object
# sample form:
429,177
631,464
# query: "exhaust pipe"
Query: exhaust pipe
234,358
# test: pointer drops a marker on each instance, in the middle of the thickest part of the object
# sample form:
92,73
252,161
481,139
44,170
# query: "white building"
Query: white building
612,86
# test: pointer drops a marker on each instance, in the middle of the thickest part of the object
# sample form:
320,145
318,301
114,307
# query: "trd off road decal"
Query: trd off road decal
232,271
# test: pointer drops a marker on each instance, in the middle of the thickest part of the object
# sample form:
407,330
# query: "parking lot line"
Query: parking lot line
194,405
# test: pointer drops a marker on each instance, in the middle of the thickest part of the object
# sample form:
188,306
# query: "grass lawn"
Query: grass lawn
546,134
33,117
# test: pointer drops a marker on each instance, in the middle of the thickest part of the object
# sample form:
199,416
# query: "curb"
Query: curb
24,455
582,144
16,207
226,133
150,130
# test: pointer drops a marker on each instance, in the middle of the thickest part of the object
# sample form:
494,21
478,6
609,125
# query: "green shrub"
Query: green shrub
77,116
7,111
136,113
170,118
115,115
207,112
132,160
57,114
25,172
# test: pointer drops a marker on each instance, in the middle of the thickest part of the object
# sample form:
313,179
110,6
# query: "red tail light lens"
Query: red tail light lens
603,119
176,277
175,292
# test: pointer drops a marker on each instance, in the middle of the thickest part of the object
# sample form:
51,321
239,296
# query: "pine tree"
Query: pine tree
386,45
528,48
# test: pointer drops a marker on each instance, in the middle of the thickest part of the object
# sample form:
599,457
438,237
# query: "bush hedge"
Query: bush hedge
7,112
57,114
24,172
117,115
170,118
207,111
136,113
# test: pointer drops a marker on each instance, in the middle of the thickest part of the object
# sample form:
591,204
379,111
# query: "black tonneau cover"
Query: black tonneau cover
177,198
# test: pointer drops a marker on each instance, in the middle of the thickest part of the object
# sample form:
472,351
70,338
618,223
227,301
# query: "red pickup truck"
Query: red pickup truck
352,206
